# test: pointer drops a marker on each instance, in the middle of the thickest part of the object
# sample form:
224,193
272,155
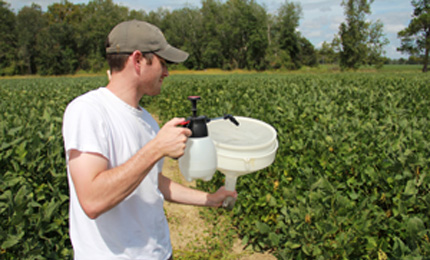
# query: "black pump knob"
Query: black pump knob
193,100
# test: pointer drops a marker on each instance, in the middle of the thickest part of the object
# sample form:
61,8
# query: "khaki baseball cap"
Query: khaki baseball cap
129,36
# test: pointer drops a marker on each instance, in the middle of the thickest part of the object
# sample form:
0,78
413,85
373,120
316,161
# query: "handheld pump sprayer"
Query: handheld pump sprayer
235,146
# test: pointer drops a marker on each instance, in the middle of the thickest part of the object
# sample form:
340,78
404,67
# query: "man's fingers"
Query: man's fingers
175,121
187,132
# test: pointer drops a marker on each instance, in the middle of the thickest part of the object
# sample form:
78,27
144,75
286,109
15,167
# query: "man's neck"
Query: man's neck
125,90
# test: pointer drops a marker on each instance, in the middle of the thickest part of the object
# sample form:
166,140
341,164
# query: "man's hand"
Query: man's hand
216,199
171,139
178,193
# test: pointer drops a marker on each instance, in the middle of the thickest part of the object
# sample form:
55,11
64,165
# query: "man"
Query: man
115,150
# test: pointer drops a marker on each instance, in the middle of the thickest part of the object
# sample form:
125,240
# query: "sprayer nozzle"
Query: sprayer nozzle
232,119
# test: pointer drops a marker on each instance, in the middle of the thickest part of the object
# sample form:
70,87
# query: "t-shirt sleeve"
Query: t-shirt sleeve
84,129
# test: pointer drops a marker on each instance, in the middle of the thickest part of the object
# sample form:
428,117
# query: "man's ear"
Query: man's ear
137,59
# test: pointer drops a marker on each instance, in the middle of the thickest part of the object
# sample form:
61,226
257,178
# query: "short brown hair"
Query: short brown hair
117,61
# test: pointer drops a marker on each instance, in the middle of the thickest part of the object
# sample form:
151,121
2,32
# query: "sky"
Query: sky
319,22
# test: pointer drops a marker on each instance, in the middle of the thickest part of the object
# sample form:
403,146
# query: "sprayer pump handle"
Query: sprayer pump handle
193,100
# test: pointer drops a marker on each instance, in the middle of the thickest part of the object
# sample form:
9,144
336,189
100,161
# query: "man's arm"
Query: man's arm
100,189
175,192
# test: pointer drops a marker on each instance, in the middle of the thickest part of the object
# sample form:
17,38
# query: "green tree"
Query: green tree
272,53
30,21
183,28
212,20
98,19
7,39
137,15
258,41
243,34
361,41
327,54
286,45
158,17
56,50
307,54
56,43
375,43
415,39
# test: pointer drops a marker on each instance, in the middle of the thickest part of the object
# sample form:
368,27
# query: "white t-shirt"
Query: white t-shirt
99,122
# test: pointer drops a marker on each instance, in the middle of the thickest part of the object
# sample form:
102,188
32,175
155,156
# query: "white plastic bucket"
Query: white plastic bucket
243,149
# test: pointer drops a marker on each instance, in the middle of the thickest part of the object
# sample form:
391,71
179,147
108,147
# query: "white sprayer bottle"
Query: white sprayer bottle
200,159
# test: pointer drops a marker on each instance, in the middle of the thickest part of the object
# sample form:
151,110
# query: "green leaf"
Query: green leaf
21,196
414,226
410,189
12,240
263,228
371,243
292,245
49,209
274,239
399,248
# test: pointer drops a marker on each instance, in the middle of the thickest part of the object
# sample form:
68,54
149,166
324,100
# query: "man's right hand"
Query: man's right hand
171,139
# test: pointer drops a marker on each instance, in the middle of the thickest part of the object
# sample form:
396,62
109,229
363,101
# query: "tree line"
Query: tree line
235,34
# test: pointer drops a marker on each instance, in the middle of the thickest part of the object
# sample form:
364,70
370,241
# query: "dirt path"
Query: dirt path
188,229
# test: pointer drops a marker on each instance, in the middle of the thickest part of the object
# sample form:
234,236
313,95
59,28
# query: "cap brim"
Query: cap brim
172,54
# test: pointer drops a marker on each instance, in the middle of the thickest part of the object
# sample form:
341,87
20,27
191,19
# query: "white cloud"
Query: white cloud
314,34
394,28
325,9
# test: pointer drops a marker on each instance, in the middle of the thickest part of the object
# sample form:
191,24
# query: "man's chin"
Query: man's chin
155,93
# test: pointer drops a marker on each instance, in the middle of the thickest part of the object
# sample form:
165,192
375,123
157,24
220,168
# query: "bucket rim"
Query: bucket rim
248,147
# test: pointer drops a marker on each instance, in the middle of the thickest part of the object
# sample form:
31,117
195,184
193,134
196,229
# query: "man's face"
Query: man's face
154,75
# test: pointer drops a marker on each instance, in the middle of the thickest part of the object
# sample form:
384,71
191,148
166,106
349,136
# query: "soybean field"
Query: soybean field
351,178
